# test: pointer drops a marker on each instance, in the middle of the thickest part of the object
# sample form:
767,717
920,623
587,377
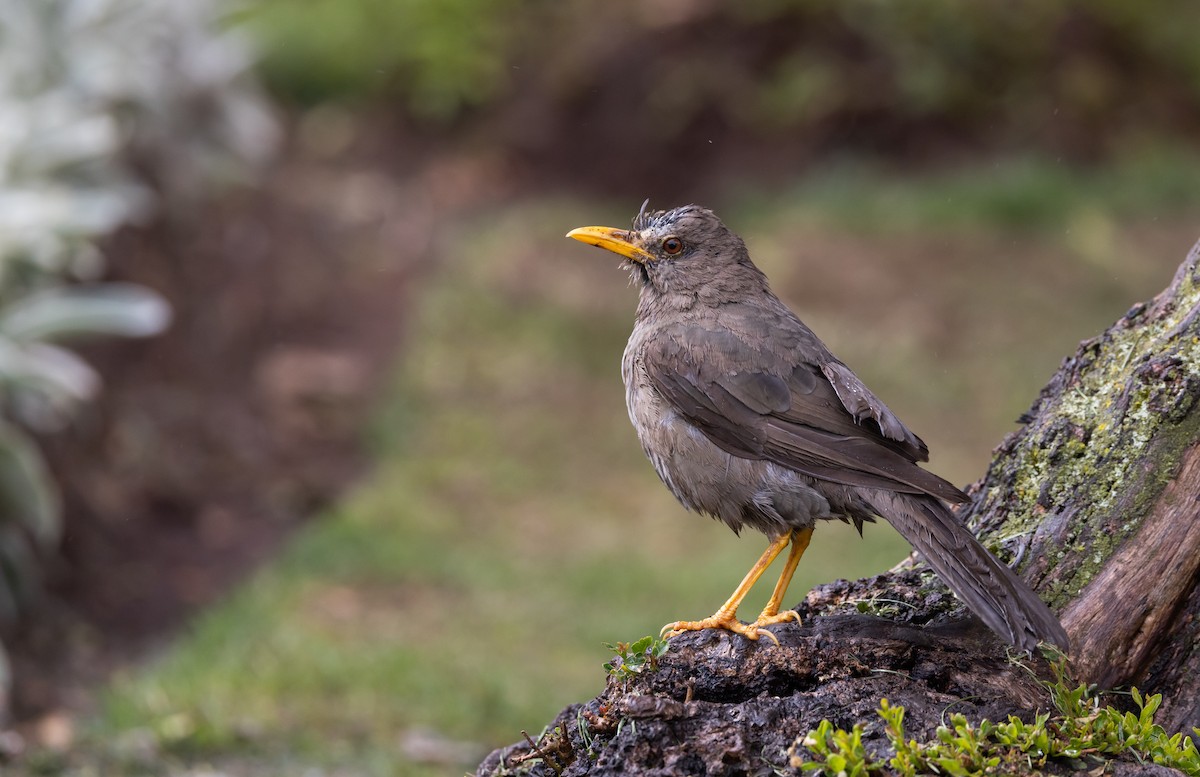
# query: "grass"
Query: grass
511,527
1023,194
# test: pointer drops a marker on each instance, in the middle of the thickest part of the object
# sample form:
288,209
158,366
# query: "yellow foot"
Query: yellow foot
780,617
729,622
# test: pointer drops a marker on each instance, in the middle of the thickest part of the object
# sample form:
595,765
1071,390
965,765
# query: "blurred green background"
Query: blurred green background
951,195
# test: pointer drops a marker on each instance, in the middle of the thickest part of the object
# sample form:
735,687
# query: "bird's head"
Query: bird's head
685,252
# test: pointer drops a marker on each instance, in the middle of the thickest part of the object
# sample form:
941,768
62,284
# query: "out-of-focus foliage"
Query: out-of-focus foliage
1067,74
86,88
443,56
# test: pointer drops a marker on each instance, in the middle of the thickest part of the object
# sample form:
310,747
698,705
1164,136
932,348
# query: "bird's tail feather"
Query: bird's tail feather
993,591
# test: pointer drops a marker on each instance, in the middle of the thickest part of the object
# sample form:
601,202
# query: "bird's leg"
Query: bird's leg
726,616
771,613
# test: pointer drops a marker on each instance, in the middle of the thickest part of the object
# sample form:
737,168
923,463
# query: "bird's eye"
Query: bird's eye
672,245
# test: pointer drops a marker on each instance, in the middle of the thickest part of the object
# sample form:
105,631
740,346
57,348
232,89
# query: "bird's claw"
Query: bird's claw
729,622
786,616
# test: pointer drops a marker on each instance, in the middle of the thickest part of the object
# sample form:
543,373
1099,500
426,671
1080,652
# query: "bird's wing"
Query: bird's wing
819,420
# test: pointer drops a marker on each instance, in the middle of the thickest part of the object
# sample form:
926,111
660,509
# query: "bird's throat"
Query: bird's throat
638,273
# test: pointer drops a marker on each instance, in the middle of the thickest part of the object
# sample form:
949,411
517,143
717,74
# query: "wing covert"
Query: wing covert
795,416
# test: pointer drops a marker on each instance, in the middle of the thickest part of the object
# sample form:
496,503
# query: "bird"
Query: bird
747,417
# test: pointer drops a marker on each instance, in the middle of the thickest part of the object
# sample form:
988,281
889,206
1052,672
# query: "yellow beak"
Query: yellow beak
618,241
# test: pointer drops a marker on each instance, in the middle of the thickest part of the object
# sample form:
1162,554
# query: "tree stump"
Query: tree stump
1095,499
1102,487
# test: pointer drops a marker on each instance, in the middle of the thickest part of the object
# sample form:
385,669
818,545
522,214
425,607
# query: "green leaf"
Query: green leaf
951,766
641,645
1151,706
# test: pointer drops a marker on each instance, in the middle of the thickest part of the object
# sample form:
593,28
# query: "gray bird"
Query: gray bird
748,418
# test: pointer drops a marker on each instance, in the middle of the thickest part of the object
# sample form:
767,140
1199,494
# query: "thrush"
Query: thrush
747,417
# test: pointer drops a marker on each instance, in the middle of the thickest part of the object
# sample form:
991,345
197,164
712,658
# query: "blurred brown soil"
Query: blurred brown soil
211,443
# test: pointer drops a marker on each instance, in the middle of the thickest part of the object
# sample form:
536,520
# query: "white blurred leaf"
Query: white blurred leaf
80,311
46,369
35,210
77,139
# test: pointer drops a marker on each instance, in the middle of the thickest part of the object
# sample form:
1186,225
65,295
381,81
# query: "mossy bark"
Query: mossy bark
1099,493
1095,499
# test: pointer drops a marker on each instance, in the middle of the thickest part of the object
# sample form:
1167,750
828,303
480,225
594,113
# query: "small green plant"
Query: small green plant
838,752
1083,733
636,657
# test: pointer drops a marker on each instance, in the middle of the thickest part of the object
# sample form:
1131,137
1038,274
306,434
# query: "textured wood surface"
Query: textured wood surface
1098,493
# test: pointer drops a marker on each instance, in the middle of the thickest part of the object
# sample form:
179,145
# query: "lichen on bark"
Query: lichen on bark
1099,445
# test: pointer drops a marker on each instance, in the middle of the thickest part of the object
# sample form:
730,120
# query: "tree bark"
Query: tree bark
1101,487
1095,499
